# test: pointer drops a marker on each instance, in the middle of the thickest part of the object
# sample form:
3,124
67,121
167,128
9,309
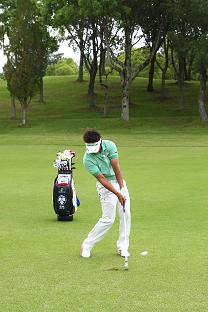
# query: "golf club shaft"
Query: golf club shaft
124,214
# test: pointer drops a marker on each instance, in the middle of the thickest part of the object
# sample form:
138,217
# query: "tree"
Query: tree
199,19
5,17
164,67
76,37
202,65
45,45
157,15
22,68
180,46
72,17
189,40
182,38
81,23
189,61
129,19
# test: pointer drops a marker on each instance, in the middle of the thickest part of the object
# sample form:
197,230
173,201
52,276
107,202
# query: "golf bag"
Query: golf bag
65,201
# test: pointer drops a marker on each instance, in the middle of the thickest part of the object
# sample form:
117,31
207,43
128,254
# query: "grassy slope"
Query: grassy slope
164,157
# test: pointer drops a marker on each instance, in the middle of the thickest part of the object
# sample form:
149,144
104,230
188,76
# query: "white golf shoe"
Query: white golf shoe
85,252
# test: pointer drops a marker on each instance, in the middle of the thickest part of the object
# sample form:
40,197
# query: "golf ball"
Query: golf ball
144,253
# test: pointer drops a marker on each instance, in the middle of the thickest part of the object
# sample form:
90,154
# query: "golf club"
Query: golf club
126,266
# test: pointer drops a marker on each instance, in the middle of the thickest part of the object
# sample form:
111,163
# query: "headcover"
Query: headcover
93,147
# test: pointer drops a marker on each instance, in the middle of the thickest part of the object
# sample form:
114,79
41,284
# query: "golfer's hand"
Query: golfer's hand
121,199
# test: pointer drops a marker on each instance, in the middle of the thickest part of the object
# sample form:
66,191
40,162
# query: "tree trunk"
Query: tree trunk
91,86
126,77
100,66
150,87
41,96
125,96
24,113
106,98
13,108
173,63
190,65
80,77
92,66
181,95
125,103
102,71
163,83
181,82
165,67
105,108
202,96
185,70
189,72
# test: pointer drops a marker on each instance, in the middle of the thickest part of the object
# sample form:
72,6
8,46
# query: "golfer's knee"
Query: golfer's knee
108,220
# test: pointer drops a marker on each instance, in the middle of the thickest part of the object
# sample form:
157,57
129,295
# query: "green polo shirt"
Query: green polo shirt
96,163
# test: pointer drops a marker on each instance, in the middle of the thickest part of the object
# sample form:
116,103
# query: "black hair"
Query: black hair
91,135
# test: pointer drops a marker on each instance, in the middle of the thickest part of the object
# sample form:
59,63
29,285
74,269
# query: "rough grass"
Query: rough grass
163,155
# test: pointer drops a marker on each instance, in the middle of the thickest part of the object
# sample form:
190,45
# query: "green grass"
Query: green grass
163,155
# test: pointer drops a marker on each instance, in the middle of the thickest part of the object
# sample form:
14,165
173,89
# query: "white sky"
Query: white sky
2,60
68,52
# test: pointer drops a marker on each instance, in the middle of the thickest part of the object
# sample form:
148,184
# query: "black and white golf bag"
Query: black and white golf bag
65,201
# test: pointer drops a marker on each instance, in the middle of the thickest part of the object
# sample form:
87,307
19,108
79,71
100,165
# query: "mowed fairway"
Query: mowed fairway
166,173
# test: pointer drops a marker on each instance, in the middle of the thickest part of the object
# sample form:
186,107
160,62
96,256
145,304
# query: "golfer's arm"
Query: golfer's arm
116,168
100,177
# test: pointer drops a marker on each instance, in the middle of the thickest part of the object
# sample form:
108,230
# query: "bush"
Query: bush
50,70
63,70
65,66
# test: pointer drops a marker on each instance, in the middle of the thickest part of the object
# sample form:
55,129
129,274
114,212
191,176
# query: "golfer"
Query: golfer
101,161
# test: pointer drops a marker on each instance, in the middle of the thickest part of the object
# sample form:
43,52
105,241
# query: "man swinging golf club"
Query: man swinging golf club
101,160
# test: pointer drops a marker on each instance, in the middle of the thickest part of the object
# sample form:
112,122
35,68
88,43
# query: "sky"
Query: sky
68,52
2,60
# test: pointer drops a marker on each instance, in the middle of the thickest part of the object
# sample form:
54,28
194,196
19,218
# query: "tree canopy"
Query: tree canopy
138,37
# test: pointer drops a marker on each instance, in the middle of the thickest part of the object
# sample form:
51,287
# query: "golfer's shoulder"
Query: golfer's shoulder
109,144
87,158
111,149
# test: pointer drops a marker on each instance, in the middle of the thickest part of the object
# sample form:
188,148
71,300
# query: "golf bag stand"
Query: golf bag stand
65,201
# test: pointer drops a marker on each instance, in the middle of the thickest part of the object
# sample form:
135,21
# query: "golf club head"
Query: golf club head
126,266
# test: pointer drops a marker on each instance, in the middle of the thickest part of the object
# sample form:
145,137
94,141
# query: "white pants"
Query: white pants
109,203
